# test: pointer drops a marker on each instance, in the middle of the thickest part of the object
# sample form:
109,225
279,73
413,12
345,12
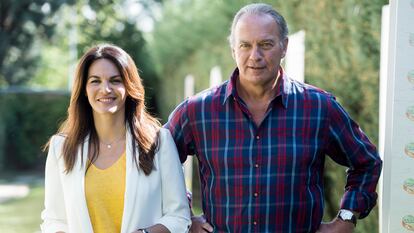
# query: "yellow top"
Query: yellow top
104,190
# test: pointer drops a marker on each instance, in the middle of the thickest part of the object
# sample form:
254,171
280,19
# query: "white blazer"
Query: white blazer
159,198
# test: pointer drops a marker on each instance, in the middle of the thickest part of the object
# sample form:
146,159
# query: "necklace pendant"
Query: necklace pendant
108,146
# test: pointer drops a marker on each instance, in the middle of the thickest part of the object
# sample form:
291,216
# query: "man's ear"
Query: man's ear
232,54
285,43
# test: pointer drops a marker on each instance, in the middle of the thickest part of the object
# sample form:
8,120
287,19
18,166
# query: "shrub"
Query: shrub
27,120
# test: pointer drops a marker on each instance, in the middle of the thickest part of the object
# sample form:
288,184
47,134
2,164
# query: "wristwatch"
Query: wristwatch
347,216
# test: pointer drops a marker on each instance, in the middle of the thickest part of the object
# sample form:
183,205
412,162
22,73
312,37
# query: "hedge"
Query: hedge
27,120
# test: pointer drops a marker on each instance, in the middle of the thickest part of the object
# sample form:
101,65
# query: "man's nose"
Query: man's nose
255,53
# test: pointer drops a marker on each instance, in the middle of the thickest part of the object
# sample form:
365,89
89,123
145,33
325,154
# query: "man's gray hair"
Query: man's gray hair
260,8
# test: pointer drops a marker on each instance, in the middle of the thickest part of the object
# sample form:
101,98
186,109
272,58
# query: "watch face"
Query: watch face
346,215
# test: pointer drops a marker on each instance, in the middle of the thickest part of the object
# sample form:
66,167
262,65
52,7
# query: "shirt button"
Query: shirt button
257,137
255,194
256,165
254,223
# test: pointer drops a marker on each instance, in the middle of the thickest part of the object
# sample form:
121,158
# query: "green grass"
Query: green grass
22,215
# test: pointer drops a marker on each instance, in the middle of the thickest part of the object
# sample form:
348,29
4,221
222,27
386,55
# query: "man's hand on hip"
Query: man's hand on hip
336,226
200,225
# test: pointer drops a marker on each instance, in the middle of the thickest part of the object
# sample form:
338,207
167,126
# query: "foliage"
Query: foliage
54,65
27,120
188,40
22,25
349,66
94,26
38,45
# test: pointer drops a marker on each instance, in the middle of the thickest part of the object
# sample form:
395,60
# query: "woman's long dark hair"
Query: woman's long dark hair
79,123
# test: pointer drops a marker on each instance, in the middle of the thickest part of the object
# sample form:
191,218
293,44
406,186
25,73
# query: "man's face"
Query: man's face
257,49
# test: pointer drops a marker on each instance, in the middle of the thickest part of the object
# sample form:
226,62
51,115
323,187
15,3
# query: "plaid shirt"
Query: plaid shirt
270,178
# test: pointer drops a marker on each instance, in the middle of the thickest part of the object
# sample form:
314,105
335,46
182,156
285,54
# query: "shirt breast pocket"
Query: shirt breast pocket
296,148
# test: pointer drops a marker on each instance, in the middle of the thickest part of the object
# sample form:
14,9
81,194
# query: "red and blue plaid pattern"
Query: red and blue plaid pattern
270,178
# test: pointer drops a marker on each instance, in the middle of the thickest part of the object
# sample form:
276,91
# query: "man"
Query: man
261,140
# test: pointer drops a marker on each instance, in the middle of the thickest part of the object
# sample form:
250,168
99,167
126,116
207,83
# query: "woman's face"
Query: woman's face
105,88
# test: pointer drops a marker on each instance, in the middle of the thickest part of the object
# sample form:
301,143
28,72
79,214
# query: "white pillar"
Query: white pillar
188,86
397,203
384,195
295,56
215,76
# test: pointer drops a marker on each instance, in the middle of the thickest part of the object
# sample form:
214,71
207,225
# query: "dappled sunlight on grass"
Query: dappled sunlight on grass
22,215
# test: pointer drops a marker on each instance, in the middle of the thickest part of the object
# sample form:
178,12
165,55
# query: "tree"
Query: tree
87,23
22,24
120,29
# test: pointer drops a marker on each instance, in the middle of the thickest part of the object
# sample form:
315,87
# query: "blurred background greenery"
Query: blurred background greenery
41,40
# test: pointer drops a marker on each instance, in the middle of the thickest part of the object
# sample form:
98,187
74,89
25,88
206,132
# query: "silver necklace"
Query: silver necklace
109,145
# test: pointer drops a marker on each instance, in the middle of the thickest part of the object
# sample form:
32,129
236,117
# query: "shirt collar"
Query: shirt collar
283,88
231,86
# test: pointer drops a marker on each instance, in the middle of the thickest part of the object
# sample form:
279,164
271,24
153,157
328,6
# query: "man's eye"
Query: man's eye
267,45
244,46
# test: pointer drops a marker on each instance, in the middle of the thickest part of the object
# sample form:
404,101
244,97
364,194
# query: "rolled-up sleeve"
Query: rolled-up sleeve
349,146
53,215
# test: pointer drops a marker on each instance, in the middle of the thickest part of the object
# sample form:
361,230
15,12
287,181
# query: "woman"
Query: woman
111,167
